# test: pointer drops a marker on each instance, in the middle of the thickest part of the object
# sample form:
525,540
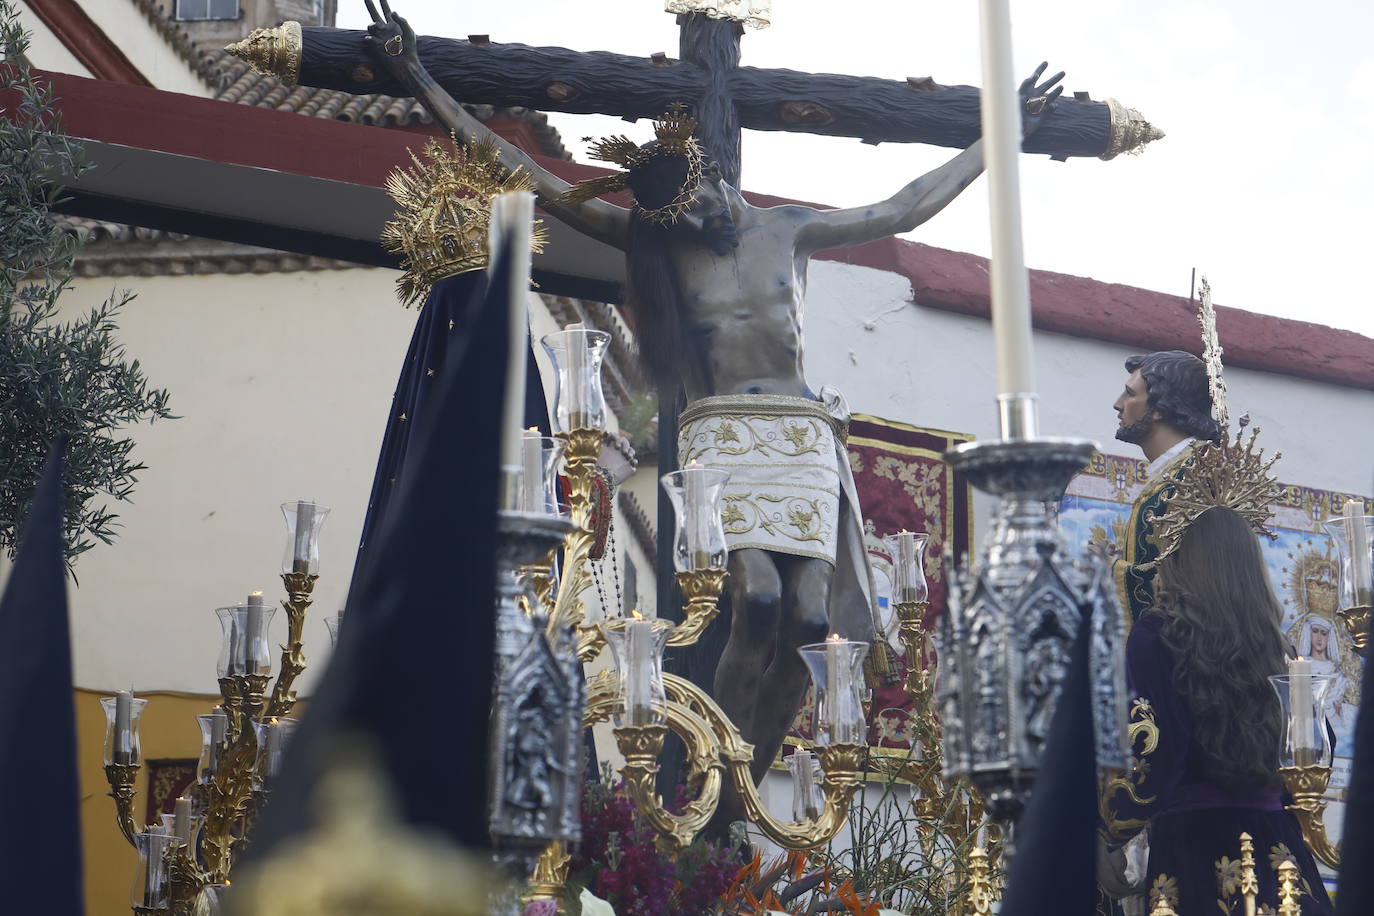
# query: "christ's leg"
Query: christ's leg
805,597
756,609
756,614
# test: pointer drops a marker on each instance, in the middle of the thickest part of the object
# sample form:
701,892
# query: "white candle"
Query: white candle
305,527
806,783
697,514
1358,538
1001,110
182,822
219,730
532,471
577,377
1300,711
638,670
123,750
834,661
512,216
252,632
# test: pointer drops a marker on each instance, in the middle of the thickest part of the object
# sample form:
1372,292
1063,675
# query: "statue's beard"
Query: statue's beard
720,233
1135,433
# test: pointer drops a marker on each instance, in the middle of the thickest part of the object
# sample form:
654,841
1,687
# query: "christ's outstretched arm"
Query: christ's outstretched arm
393,44
927,195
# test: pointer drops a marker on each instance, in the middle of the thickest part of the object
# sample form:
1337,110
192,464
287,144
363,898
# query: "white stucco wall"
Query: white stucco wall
283,382
127,28
933,368
46,51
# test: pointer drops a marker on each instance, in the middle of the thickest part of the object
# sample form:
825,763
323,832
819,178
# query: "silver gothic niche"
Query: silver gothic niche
1006,639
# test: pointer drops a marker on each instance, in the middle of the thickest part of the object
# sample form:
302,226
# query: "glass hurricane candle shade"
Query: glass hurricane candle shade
246,648
1304,741
332,624
541,457
808,801
1354,537
273,735
214,730
908,566
211,902
836,667
637,644
303,522
151,882
576,354
696,493
122,713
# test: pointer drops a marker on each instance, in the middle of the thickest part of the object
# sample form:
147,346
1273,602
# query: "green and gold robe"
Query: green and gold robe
1135,586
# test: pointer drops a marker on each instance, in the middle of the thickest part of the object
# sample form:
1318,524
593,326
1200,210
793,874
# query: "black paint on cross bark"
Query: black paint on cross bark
599,82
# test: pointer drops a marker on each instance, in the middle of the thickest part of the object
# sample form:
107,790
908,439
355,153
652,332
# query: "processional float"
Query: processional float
999,677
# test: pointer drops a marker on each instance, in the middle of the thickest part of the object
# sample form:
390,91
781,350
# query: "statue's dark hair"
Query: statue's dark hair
655,305
1222,625
656,182
1176,383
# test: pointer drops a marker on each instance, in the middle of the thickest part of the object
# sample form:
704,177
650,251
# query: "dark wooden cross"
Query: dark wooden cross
724,97
707,77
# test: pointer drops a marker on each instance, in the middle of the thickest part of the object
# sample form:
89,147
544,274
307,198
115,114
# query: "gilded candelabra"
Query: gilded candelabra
191,853
1305,752
950,808
644,703
1353,532
1307,784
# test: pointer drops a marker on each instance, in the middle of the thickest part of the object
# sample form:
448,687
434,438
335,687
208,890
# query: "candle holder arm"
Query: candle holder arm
122,777
1307,785
701,590
583,447
298,589
842,763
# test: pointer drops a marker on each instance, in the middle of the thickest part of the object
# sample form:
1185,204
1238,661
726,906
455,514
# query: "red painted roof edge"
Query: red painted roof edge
86,41
1138,318
949,280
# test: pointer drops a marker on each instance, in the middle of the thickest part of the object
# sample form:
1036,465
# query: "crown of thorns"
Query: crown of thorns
674,132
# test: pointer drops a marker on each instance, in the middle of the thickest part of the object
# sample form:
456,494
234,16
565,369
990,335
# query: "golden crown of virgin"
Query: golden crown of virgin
445,212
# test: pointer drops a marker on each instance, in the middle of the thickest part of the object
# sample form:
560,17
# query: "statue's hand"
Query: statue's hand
1036,100
392,39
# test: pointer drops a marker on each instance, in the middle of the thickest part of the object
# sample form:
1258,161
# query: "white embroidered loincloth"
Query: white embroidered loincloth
781,452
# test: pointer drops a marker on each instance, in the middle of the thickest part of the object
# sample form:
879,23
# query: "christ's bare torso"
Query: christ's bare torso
744,308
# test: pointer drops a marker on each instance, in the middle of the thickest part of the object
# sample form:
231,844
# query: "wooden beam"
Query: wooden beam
599,82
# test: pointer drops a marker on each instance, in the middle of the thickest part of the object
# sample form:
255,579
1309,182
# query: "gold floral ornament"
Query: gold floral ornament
445,212
674,132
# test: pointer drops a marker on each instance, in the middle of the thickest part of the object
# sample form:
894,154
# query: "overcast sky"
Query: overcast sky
1263,182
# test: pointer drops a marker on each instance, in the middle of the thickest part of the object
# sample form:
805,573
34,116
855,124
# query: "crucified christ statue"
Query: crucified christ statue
715,295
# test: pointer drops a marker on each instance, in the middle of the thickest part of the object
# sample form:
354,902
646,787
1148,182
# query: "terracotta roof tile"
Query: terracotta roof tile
245,86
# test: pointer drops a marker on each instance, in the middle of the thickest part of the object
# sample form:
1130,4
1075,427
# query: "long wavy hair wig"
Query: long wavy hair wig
1222,624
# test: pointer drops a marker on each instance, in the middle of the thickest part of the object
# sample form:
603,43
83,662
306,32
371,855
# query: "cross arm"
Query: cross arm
600,82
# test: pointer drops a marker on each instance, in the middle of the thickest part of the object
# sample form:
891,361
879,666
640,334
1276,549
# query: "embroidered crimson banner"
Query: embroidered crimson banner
903,484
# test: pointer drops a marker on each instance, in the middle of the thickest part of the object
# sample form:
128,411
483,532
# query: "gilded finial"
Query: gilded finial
1249,881
275,52
1129,132
445,211
1288,889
